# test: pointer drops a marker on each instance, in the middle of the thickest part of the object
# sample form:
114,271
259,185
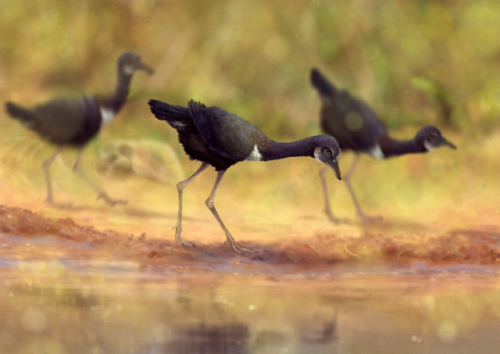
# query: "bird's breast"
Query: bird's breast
255,155
107,115
376,152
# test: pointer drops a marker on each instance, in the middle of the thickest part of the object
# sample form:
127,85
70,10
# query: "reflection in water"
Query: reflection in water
74,313
318,329
210,339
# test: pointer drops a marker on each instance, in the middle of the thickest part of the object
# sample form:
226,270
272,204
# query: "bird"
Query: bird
357,128
221,139
74,121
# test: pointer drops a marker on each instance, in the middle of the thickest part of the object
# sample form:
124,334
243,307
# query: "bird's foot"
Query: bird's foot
63,206
370,219
186,243
335,220
179,239
110,201
239,249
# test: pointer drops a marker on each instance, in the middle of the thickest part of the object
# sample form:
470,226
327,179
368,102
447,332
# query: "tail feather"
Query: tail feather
321,83
26,116
175,116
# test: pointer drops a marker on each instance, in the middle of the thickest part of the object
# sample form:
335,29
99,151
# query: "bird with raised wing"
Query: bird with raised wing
221,139
74,121
356,127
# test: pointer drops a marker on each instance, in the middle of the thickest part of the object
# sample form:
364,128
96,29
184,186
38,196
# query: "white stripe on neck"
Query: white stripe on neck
317,151
376,152
255,155
107,115
428,146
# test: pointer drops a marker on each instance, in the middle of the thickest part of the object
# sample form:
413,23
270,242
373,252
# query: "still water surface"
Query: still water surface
101,307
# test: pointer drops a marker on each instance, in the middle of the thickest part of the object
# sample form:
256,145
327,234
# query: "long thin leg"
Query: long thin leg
210,205
347,179
100,193
48,179
328,210
180,188
78,162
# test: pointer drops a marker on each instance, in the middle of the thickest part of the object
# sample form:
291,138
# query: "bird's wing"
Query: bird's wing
225,133
372,126
60,119
351,121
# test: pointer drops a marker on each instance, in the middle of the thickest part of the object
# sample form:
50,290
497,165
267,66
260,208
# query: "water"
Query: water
56,308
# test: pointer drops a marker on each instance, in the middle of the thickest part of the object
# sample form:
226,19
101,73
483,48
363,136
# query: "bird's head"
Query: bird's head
430,138
328,153
130,62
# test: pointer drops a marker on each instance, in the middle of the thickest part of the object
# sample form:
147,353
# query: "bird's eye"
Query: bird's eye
328,151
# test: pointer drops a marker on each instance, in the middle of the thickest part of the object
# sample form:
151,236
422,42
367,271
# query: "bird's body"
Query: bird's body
221,139
356,127
340,113
83,122
74,121
191,138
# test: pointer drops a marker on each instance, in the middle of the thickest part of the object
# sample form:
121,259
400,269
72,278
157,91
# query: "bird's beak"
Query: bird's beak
335,166
142,66
449,144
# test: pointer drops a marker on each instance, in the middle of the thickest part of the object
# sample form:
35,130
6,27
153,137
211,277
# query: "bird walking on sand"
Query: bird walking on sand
357,128
221,139
74,121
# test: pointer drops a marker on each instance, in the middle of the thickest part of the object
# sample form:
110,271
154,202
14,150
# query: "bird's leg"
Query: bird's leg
48,179
328,210
180,188
347,179
210,205
100,193
78,162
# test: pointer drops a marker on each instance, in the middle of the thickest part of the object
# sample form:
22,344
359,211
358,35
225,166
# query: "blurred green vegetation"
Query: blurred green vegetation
414,62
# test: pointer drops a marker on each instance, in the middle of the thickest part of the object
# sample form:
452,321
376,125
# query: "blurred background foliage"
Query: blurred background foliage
414,62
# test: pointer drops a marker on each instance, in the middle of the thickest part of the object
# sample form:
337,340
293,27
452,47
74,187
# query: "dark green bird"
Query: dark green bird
219,138
356,127
74,121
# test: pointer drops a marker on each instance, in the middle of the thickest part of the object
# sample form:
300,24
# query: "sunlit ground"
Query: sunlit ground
99,279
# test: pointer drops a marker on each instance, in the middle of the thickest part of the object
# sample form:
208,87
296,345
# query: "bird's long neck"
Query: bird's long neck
121,91
111,105
391,147
273,150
